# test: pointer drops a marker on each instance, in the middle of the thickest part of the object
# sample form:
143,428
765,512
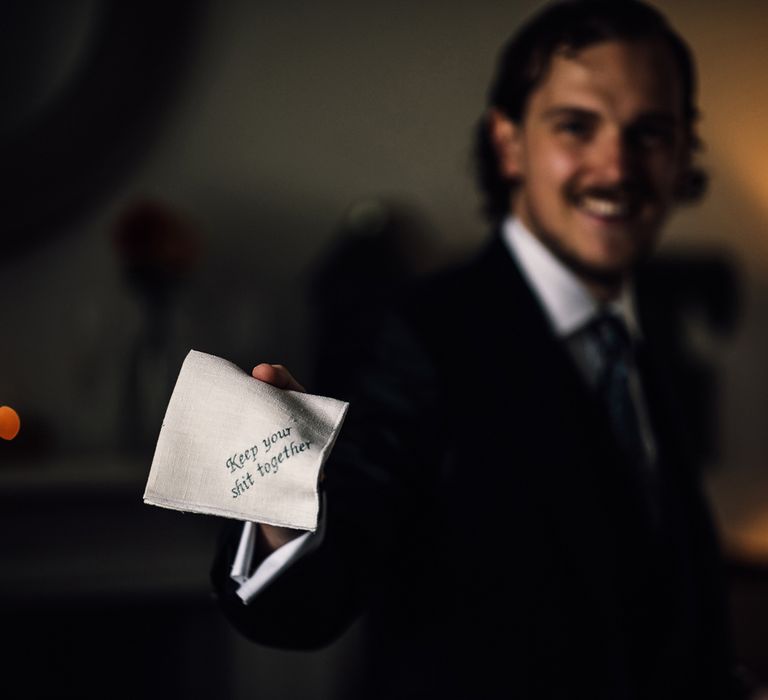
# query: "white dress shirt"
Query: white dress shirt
568,306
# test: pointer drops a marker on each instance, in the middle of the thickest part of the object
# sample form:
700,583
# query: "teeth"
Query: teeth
604,207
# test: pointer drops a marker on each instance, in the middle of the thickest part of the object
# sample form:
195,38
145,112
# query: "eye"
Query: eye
577,128
652,136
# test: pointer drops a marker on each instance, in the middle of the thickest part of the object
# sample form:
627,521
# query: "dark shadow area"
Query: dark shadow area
748,591
63,160
381,247
155,648
703,294
102,596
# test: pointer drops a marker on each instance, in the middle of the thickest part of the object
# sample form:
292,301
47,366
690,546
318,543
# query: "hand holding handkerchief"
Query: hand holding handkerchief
236,447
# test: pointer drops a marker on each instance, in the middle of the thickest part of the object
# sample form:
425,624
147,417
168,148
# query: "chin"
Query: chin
619,252
611,274
605,269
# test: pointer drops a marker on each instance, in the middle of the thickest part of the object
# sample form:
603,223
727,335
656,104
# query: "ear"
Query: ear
506,139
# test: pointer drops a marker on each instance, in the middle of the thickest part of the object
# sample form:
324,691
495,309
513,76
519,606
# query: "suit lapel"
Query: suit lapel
544,402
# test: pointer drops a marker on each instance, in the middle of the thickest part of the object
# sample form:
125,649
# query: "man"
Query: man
510,499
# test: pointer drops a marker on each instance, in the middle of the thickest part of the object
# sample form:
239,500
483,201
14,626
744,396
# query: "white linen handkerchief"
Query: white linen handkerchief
233,446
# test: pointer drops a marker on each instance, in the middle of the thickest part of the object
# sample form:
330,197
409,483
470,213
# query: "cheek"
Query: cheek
549,168
670,180
665,172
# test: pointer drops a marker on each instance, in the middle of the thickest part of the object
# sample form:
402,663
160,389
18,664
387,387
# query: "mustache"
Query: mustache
619,192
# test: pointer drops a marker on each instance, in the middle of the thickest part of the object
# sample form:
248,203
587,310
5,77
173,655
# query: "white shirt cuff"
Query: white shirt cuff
275,562
268,569
244,556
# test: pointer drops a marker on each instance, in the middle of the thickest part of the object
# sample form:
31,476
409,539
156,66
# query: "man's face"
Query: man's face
598,155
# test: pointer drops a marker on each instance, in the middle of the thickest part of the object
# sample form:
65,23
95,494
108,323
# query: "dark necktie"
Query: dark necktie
615,350
614,347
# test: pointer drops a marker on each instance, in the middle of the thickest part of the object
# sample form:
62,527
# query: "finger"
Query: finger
276,375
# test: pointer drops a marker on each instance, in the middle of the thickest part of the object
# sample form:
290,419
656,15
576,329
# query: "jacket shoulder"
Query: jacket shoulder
449,296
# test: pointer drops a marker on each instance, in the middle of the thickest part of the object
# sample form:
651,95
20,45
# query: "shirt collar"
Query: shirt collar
566,301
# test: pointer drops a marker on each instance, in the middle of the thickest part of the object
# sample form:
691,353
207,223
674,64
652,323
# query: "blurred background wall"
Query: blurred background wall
174,176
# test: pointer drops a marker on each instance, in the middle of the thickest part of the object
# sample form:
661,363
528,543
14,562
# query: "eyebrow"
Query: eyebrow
557,112
565,111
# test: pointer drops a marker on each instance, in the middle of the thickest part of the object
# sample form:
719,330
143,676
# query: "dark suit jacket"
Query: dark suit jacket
481,513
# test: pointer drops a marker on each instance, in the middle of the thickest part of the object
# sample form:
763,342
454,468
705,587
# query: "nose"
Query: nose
614,161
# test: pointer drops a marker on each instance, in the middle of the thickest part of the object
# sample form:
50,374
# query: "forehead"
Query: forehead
624,78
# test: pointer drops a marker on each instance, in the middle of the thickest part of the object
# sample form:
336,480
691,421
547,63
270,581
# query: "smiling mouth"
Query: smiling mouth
616,209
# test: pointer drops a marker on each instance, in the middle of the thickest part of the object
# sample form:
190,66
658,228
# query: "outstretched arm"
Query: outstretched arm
377,479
